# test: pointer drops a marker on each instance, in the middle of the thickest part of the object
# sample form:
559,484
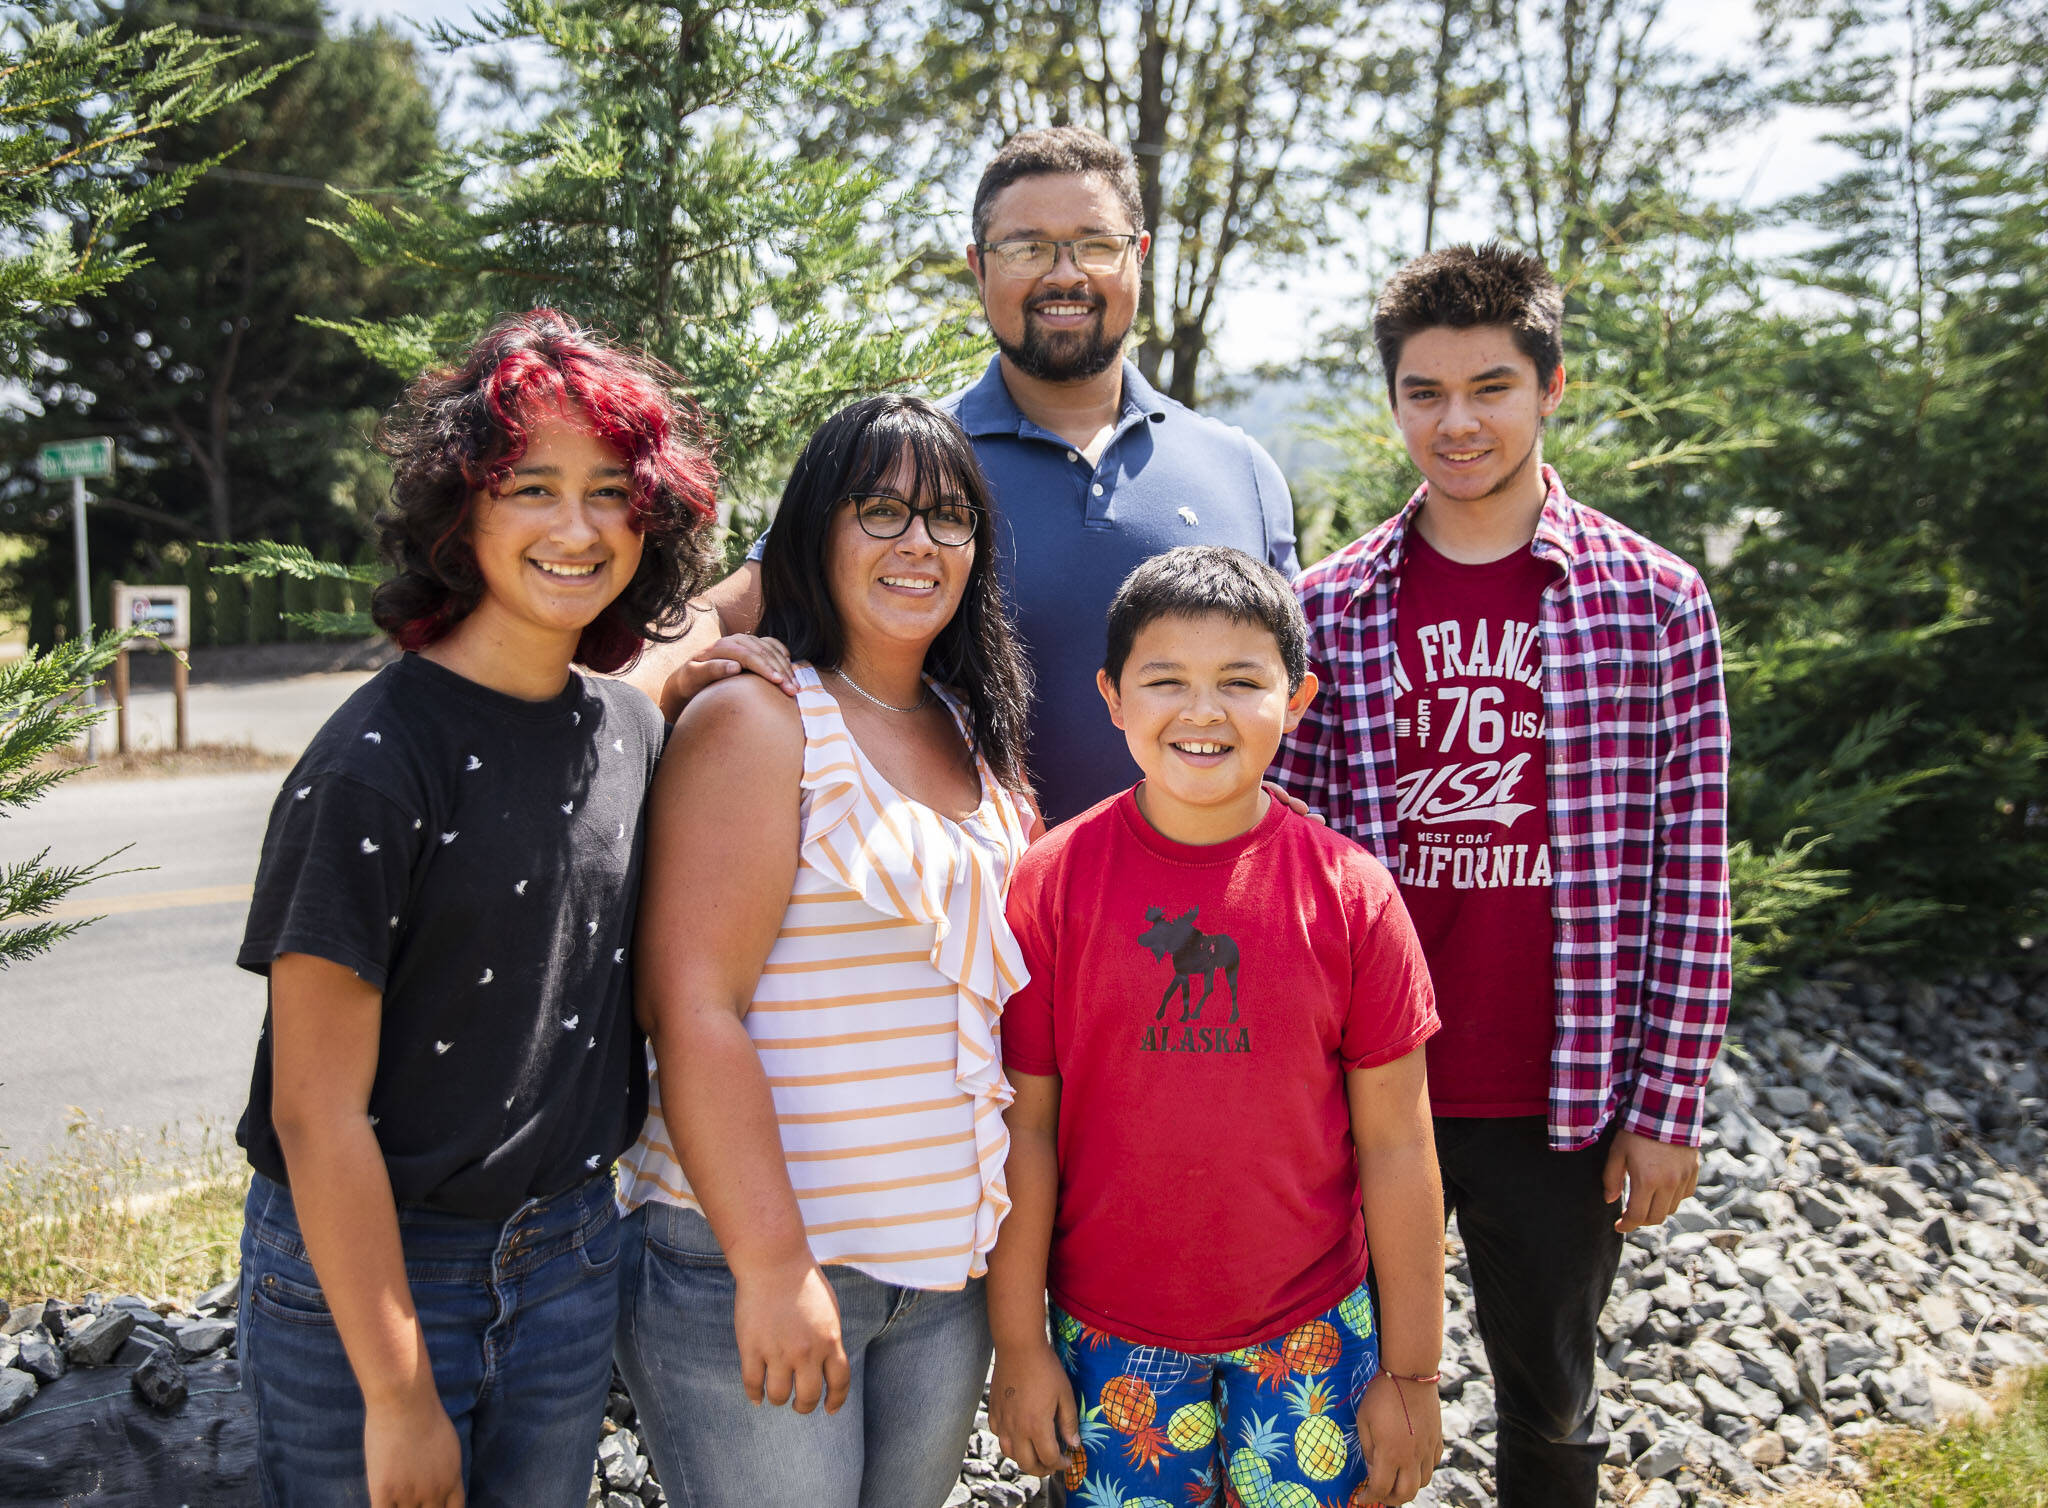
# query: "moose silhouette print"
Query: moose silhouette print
1193,952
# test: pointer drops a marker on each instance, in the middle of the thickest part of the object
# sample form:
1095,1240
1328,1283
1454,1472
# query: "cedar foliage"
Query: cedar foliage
652,192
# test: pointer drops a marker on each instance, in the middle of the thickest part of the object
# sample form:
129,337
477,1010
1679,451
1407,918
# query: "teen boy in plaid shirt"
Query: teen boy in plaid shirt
1524,721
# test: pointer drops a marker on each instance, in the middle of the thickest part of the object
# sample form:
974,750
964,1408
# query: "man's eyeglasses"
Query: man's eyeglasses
1101,255
882,515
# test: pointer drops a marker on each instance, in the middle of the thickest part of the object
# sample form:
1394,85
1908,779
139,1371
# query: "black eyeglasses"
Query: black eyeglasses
1101,255
882,515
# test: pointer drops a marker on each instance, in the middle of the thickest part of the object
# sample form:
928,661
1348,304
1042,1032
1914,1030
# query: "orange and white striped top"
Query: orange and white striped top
876,1017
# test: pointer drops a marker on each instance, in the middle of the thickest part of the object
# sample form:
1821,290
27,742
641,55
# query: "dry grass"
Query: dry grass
114,1213
2003,1464
200,759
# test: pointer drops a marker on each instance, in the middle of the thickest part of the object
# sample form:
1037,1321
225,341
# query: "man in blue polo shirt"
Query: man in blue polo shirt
1093,471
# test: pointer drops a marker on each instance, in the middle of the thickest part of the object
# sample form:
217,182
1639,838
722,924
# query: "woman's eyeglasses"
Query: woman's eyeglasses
883,515
1031,258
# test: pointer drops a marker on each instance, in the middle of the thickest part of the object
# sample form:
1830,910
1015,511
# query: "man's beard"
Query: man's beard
1069,356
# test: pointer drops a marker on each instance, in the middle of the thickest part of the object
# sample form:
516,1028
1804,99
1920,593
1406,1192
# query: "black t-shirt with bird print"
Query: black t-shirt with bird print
477,858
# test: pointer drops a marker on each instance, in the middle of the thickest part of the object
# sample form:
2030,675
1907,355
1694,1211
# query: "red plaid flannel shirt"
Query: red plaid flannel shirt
1636,737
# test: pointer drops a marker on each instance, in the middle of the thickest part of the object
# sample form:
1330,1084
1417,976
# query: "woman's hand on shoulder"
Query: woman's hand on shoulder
735,654
1031,1408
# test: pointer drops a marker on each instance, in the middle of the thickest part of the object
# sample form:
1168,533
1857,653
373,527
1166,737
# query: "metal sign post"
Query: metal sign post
79,459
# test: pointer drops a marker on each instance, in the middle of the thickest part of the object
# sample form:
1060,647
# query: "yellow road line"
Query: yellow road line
154,900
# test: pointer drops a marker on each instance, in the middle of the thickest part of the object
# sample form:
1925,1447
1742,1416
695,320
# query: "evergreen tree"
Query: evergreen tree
80,110
650,195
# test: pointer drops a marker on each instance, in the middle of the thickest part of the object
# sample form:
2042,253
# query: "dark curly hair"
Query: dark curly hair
459,431
975,653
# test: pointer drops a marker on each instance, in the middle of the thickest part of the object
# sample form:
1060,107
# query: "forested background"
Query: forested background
1836,405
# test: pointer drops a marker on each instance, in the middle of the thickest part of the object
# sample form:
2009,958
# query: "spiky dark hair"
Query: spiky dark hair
1468,286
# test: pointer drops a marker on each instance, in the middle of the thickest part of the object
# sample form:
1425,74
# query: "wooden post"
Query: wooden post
180,674
121,702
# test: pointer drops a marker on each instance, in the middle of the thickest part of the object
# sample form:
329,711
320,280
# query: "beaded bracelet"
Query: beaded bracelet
1401,1377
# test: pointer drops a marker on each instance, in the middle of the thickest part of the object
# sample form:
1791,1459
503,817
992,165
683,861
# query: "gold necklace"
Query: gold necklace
859,690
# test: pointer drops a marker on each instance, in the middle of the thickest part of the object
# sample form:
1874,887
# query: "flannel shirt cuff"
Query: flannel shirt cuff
1666,1110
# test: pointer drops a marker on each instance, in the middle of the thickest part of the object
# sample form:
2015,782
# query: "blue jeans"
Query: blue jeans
918,1357
518,1318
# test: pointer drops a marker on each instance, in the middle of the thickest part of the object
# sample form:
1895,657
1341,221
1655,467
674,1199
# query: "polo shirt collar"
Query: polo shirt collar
988,409
1556,540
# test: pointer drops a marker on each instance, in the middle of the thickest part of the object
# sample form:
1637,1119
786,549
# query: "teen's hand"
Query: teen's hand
1659,1177
730,656
1292,802
787,1321
1031,1408
412,1455
1399,1463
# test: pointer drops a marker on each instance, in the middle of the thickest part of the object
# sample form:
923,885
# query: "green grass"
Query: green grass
2003,1464
112,1213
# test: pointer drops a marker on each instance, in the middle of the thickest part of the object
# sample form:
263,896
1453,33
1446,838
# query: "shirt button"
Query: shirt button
1073,455
1097,489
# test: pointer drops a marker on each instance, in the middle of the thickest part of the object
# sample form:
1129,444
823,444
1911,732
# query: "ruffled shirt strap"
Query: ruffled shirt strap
910,862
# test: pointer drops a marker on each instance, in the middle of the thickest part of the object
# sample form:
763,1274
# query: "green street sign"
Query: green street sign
64,459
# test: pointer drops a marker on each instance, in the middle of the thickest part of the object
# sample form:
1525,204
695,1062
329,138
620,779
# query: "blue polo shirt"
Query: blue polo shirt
1070,532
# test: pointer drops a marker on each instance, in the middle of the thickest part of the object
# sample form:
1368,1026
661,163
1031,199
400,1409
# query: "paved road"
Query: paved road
142,1019
278,717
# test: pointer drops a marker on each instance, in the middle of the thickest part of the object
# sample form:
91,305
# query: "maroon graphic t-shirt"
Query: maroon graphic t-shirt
1474,827
1201,1006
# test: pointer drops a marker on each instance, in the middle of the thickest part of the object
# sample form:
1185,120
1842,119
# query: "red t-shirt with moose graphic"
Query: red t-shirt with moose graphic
1475,822
1201,1005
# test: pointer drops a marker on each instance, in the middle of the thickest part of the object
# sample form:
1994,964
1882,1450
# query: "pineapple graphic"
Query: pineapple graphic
1101,1492
1094,1435
1130,1408
1318,1440
1267,1364
1356,1312
1192,1426
1065,1331
1251,1468
1311,1348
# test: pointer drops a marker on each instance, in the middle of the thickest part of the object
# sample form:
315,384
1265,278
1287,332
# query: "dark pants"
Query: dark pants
1540,1240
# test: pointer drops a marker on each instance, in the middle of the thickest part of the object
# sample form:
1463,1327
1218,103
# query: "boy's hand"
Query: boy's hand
1400,1463
1031,1408
1659,1178
411,1454
791,1351
729,656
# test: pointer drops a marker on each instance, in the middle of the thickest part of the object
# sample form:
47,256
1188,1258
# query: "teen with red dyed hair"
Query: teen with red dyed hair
444,908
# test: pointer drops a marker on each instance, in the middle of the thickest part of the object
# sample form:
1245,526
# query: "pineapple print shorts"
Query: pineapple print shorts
1273,1425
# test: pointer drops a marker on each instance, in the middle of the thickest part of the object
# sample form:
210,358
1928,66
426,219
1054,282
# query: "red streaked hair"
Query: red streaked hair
460,431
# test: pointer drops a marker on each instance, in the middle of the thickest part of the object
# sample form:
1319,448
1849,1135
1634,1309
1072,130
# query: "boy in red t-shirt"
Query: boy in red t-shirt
1219,1047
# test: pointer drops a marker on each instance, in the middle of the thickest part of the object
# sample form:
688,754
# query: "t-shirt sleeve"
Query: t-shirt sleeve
1276,505
336,870
1027,1015
760,545
1393,1005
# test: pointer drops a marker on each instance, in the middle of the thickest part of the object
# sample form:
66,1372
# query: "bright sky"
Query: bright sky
1266,320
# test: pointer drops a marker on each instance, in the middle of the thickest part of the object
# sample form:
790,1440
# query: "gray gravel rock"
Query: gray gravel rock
160,1380
16,1389
100,1340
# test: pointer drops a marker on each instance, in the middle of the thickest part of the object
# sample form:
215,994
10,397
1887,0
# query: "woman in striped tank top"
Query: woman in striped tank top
822,963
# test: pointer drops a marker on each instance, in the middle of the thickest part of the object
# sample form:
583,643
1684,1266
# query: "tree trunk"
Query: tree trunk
1148,146
1439,122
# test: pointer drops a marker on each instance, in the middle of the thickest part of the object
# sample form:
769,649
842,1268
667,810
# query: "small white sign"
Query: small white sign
165,611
